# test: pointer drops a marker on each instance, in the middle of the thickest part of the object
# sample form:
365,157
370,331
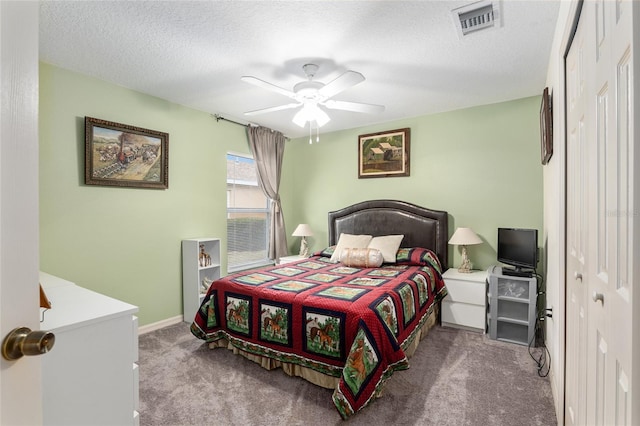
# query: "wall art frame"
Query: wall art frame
127,156
384,154
546,127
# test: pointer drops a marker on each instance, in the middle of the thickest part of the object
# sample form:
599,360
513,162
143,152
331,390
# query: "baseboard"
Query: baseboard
160,324
558,399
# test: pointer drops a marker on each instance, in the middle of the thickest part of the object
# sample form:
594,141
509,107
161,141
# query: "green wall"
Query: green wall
480,164
125,242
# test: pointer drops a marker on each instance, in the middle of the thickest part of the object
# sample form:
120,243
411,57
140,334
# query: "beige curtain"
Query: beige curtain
267,147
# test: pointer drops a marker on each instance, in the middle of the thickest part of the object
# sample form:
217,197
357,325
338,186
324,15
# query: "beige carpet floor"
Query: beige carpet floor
456,378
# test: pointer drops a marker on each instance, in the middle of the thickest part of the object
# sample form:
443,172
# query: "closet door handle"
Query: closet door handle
598,296
577,276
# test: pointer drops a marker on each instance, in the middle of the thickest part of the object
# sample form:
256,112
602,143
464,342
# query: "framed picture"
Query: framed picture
384,154
121,155
546,127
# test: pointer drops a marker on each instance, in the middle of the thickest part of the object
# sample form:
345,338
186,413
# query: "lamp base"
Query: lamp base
466,265
304,248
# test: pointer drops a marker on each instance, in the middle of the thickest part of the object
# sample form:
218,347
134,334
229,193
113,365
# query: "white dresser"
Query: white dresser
90,377
465,306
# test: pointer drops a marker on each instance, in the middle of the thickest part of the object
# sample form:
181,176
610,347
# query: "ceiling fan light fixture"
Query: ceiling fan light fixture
312,114
300,119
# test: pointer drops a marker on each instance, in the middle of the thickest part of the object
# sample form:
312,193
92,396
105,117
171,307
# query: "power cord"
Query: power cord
541,358
544,366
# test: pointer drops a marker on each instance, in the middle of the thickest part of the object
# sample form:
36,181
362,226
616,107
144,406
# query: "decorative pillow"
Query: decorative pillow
361,257
388,245
418,256
327,252
349,241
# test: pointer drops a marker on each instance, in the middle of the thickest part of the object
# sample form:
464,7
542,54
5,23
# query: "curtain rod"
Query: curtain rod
218,117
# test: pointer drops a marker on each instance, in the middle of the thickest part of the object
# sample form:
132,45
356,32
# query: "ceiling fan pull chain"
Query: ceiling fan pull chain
310,142
317,134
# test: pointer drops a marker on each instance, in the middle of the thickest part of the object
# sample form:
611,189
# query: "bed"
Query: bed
340,326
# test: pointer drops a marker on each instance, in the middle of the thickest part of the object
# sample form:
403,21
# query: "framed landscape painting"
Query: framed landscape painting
546,127
384,154
121,155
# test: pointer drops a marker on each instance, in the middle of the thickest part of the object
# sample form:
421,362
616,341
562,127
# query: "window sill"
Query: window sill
250,266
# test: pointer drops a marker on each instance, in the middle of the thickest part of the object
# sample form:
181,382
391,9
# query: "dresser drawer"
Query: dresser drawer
463,314
466,291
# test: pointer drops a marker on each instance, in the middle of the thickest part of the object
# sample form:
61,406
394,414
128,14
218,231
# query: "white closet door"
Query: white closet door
577,194
611,219
600,217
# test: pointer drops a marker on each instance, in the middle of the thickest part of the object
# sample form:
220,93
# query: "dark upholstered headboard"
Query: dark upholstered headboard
420,226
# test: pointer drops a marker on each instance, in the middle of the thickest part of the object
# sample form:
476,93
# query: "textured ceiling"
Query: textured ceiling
194,53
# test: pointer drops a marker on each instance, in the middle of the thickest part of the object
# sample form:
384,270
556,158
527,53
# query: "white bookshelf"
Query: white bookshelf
196,272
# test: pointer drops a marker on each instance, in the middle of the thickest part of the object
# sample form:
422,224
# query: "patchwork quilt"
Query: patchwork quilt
352,323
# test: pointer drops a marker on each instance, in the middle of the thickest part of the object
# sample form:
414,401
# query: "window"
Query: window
248,215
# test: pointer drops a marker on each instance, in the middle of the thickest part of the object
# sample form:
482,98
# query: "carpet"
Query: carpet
456,378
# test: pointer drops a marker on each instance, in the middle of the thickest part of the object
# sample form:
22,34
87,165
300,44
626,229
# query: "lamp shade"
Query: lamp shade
464,237
303,230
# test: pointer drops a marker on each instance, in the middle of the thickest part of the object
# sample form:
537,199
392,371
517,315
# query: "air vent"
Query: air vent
476,17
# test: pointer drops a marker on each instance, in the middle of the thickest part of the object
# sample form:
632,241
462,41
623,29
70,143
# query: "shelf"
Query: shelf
515,310
194,275
513,333
516,290
202,268
511,307
513,321
517,342
514,299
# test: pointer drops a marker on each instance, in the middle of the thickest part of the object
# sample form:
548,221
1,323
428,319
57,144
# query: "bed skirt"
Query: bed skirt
315,377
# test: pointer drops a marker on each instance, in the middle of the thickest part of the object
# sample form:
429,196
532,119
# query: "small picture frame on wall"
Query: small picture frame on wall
384,154
546,127
122,155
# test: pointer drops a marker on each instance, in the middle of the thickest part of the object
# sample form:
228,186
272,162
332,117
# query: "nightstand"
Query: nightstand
289,259
465,306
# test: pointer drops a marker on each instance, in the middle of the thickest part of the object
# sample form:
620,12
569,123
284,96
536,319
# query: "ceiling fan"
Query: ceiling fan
311,94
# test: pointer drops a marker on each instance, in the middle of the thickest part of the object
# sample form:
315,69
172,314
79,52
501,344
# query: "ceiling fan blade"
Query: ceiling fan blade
265,85
343,82
353,106
272,109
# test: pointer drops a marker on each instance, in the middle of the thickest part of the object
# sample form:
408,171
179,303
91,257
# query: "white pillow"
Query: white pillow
388,245
349,241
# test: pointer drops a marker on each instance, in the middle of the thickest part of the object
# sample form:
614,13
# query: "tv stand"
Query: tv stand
512,301
517,272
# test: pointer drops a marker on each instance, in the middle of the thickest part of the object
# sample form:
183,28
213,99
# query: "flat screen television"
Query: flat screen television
518,248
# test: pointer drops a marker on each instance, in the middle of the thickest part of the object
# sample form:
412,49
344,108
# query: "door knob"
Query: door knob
598,296
22,341
577,275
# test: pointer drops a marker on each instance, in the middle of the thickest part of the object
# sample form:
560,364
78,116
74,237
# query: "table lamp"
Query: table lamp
303,230
464,237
